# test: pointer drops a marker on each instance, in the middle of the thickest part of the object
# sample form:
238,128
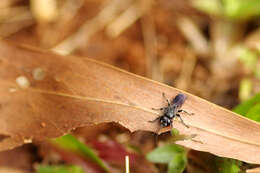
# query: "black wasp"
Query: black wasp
172,110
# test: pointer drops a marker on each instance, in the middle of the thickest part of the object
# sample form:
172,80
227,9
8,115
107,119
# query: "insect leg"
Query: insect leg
163,94
181,110
178,115
154,120
156,140
158,109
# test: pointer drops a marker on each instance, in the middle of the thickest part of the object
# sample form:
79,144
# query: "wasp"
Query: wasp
171,111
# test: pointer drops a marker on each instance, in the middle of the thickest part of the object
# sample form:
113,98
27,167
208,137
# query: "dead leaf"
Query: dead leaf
76,92
11,170
255,170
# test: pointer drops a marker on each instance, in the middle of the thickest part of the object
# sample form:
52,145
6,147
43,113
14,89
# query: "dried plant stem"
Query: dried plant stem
126,19
107,14
193,34
150,42
188,66
127,169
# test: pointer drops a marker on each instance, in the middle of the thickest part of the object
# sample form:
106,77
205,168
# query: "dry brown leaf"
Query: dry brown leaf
11,170
76,92
255,170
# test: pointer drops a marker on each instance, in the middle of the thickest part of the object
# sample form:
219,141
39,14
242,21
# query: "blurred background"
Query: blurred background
208,48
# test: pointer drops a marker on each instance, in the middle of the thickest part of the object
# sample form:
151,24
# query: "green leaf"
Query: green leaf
254,113
59,169
177,164
165,154
241,9
69,142
226,165
244,107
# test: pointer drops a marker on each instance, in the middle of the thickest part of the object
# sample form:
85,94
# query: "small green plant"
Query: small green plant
171,154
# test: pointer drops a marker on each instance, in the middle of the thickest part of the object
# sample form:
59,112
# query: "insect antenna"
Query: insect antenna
163,94
156,119
158,109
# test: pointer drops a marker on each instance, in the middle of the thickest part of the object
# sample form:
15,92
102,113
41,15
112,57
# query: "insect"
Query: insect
172,110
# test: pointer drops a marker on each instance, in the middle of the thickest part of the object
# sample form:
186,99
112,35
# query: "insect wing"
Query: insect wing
179,100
